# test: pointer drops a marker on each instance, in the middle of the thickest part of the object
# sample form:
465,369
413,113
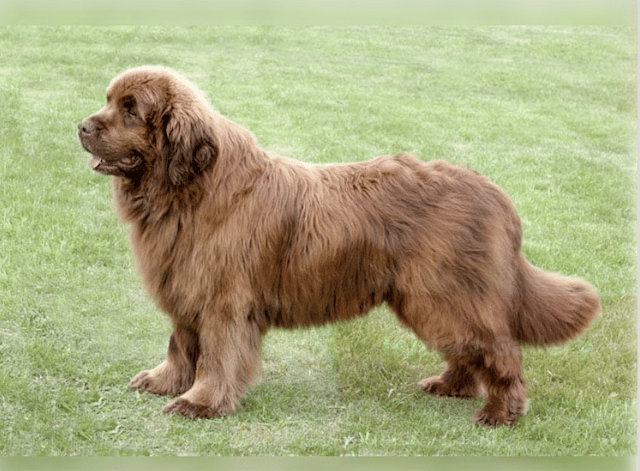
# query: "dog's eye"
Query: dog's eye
130,111
129,107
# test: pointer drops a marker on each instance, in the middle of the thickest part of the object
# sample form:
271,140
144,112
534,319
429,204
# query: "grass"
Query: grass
547,112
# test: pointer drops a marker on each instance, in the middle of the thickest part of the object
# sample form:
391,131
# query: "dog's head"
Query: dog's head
154,121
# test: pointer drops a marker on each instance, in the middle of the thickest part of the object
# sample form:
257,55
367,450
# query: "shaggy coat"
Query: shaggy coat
232,240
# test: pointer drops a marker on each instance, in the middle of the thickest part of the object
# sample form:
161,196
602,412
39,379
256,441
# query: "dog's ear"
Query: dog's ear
188,145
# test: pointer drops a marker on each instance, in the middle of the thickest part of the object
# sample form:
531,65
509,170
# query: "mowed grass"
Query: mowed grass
548,113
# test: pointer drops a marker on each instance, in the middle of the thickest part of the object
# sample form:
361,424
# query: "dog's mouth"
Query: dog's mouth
124,167
95,162
119,168
101,165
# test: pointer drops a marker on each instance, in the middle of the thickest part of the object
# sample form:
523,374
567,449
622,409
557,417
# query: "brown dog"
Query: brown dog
232,240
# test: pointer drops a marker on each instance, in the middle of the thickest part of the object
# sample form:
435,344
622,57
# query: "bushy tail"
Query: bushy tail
553,308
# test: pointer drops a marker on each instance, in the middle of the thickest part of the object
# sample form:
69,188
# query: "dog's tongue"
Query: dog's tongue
95,162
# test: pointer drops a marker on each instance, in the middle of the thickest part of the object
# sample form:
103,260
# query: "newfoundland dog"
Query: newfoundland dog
232,240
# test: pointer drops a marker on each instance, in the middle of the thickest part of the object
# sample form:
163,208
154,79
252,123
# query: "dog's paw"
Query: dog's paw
194,411
493,416
491,419
142,381
437,386
146,381
165,380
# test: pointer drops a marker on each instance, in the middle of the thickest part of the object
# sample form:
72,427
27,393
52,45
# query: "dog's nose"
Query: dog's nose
86,127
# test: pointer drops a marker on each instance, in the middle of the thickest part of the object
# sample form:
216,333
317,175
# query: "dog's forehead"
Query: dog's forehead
154,86
133,82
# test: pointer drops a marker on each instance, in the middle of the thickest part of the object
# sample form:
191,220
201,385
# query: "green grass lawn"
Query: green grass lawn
548,113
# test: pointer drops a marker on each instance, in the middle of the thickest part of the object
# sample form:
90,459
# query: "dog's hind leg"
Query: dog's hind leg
498,367
501,373
432,323
457,380
470,332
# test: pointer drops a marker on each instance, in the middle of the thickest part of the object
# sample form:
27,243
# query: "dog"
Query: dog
232,240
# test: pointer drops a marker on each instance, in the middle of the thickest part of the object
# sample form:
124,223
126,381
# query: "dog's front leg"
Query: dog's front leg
229,360
176,373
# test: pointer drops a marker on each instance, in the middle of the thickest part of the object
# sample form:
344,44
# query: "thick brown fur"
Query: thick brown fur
232,240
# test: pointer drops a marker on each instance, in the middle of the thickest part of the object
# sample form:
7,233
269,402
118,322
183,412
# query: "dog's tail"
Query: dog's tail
552,307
